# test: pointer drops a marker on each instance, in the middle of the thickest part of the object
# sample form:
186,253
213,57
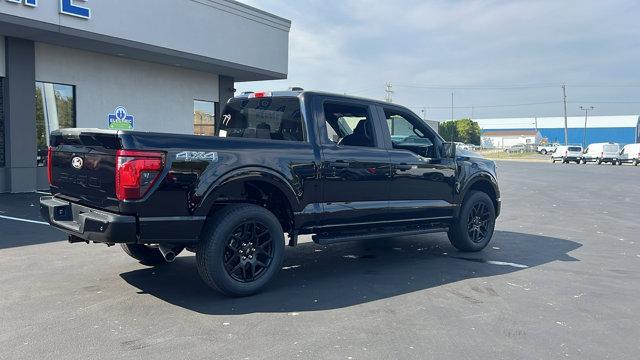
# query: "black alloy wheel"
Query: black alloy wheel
241,249
478,222
249,252
474,227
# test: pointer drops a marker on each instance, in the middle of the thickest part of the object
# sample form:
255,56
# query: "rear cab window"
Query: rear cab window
575,149
268,118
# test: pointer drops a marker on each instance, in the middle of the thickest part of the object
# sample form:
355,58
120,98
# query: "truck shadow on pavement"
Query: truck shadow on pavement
321,278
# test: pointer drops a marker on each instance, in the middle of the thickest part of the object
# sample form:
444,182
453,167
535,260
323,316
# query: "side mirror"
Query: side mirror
449,150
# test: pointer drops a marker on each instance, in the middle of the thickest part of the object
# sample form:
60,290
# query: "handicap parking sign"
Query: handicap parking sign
120,120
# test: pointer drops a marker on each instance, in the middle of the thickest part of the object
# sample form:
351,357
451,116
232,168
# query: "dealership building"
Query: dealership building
164,66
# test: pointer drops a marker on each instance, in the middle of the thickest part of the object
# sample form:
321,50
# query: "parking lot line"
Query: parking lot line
24,220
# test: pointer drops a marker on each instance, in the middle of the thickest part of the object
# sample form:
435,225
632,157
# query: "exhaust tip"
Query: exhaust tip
167,253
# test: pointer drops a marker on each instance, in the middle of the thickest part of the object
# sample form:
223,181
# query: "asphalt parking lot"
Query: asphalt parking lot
559,280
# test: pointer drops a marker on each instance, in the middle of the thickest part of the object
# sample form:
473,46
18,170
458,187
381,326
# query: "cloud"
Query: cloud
356,46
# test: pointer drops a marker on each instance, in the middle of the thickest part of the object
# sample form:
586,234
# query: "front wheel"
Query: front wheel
241,250
474,227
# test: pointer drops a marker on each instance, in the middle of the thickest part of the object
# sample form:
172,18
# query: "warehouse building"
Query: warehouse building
619,129
163,66
506,138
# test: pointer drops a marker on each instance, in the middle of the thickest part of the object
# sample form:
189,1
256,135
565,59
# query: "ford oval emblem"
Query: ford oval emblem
77,162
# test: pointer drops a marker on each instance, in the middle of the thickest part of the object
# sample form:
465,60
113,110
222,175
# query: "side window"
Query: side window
349,125
270,118
407,133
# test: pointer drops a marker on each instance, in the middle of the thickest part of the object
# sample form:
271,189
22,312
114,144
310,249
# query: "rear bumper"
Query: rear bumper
87,223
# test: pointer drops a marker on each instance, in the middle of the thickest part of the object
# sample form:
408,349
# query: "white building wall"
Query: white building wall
159,96
507,141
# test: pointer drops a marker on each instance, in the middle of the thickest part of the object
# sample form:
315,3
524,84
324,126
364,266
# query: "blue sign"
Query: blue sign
120,120
67,7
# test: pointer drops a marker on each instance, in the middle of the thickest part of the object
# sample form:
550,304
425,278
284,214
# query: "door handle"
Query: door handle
339,164
404,167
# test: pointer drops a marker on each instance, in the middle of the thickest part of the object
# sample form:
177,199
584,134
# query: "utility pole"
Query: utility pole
586,117
566,120
389,93
452,106
424,113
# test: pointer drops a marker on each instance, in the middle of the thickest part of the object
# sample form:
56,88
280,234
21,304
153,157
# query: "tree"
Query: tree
463,130
448,131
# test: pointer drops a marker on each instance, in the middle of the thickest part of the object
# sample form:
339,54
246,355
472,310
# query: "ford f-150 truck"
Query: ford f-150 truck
292,162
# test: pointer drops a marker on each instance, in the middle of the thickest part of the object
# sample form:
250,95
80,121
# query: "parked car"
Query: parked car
567,154
519,148
547,149
349,169
630,154
463,146
602,153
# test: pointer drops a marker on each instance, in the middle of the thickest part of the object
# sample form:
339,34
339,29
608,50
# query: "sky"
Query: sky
498,58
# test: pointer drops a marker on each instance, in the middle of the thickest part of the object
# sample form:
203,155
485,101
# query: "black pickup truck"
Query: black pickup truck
291,162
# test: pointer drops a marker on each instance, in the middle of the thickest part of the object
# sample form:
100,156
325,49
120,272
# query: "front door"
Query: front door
422,182
355,166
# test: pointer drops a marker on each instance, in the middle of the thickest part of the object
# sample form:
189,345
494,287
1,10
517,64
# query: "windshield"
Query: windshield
263,118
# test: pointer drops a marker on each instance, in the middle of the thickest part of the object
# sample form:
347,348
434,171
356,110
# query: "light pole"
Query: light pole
586,117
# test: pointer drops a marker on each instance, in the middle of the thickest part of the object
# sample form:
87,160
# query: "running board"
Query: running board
329,239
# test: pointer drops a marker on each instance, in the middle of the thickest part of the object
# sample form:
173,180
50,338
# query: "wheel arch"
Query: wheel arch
484,183
257,185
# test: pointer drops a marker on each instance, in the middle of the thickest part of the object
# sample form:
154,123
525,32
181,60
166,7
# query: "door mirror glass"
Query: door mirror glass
449,150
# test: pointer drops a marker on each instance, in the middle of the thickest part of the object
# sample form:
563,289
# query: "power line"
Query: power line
488,106
475,87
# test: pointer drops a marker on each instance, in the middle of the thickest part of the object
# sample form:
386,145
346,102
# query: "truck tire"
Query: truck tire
544,152
241,250
636,163
147,255
473,229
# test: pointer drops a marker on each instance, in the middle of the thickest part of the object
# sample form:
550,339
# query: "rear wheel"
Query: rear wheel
473,230
636,163
544,152
147,255
241,250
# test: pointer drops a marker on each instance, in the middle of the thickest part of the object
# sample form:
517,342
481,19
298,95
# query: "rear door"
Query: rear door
422,182
355,165
83,166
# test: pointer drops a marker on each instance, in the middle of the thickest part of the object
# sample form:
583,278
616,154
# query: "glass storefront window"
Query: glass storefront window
204,117
55,109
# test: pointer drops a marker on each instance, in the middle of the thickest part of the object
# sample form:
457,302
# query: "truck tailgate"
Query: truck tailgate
82,166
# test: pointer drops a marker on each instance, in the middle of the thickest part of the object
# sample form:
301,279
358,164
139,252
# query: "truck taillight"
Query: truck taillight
136,172
49,164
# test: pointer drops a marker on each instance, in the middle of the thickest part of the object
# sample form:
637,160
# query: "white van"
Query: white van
630,154
602,153
567,154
